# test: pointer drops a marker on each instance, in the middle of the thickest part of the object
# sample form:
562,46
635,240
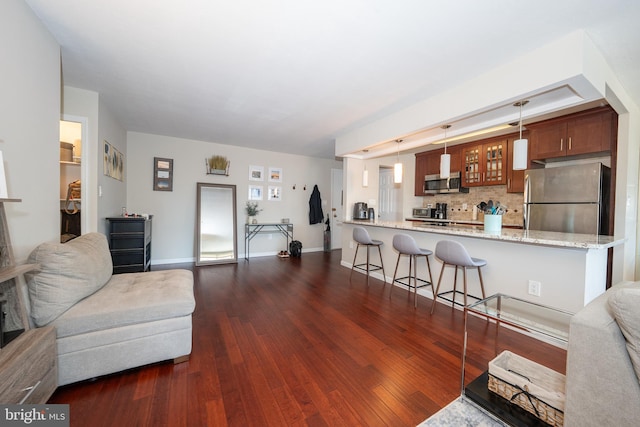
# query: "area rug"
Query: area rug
460,412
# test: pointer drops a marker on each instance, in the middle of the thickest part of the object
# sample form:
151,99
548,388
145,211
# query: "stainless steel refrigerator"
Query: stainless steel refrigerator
570,199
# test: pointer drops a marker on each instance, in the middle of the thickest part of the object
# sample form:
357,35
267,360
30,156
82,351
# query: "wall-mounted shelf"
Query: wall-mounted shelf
218,172
62,162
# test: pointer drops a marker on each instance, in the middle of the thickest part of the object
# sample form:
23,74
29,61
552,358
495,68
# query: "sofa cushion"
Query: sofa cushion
129,299
625,305
68,273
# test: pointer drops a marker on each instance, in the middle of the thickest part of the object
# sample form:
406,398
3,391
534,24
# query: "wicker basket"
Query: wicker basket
533,387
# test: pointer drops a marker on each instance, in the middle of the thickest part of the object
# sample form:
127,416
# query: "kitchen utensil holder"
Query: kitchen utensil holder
492,223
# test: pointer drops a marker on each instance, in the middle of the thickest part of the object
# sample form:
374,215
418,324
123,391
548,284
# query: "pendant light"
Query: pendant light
520,146
445,159
365,172
397,167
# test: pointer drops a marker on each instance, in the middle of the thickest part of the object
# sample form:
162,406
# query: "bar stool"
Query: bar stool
361,236
455,254
406,245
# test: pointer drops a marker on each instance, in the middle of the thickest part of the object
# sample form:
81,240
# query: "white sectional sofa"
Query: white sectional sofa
107,323
603,361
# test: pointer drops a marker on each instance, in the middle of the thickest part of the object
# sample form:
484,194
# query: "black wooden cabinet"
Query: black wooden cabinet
130,244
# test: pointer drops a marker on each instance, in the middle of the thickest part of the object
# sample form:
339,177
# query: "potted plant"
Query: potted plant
252,210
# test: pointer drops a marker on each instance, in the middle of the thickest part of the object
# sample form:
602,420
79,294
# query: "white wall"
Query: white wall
114,192
355,192
83,104
29,126
174,221
102,126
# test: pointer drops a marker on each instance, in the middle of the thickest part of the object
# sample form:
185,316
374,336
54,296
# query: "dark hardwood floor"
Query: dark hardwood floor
286,342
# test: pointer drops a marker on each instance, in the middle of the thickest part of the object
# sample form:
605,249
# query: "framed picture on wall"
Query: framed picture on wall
275,174
255,192
113,162
275,193
256,173
162,174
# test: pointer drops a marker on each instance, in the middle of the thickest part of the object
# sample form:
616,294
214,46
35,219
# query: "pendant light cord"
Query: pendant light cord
520,120
521,104
445,140
445,127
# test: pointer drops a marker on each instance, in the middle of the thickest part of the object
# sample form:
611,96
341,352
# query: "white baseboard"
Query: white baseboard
240,257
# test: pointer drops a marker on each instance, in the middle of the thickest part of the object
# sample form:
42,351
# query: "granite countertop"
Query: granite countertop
458,222
532,237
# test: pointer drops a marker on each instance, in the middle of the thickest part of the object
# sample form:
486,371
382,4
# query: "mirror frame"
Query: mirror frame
199,260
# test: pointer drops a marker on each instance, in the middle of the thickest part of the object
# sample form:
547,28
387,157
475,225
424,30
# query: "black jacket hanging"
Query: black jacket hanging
315,207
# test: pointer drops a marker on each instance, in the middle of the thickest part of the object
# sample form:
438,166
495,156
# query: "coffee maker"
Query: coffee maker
441,211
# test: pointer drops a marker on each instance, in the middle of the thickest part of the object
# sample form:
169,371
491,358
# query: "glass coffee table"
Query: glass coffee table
541,326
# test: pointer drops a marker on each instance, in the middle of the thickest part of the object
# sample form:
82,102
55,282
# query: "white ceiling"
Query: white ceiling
291,75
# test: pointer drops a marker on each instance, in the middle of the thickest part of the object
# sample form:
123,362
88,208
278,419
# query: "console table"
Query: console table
252,230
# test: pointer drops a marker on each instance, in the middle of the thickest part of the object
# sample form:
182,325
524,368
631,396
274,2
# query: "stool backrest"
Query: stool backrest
361,236
454,253
406,244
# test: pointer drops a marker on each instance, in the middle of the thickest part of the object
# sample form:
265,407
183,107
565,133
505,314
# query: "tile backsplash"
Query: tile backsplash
498,193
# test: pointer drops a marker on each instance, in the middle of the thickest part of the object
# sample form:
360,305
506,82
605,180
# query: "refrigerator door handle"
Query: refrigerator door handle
525,206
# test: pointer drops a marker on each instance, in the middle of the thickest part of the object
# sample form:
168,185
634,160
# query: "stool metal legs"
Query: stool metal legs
455,279
368,265
413,260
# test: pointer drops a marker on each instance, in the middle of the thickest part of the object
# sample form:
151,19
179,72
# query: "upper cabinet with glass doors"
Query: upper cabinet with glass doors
485,163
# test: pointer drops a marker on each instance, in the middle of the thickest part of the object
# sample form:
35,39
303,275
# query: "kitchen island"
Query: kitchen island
570,268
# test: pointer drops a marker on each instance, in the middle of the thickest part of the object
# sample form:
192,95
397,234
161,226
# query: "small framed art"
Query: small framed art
275,174
275,193
113,162
162,174
256,173
255,192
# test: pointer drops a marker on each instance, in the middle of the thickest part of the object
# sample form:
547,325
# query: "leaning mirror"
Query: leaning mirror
216,231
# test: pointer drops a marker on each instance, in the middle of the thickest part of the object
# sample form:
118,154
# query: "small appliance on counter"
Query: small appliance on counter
441,212
372,214
360,211
424,212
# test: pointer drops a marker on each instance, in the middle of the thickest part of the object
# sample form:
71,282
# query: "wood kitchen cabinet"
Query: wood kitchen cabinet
428,163
587,132
422,160
515,179
484,162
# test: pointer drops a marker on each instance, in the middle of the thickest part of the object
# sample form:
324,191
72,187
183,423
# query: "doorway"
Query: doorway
390,196
71,137
337,208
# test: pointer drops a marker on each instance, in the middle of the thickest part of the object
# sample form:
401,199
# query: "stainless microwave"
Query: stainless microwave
433,184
